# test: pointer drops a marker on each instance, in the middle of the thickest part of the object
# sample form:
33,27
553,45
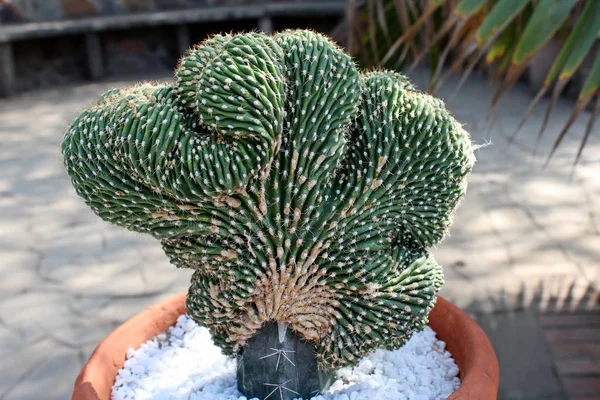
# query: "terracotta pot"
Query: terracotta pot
471,349
466,341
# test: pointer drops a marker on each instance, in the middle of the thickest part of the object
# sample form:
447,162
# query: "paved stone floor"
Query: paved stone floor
525,239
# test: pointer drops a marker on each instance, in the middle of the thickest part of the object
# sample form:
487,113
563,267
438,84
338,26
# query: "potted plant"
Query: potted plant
304,194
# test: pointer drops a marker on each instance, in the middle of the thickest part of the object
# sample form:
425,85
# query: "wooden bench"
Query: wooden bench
181,18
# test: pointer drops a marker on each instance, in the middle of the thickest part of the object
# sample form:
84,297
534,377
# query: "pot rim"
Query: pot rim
465,340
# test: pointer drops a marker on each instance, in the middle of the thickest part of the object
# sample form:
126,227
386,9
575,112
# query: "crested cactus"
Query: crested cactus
304,194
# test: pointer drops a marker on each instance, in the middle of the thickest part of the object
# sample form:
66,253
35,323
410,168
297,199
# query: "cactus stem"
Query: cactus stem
279,353
281,387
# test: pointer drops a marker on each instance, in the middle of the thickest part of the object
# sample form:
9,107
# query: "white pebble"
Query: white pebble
185,365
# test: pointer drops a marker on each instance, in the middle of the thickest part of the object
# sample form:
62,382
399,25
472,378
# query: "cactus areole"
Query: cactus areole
303,193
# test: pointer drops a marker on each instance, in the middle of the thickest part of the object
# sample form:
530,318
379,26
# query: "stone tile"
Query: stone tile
42,382
18,270
87,305
120,279
66,217
80,332
17,367
14,234
121,309
88,237
10,341
33,313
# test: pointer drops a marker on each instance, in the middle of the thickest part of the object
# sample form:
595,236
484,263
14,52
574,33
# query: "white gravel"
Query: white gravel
183,364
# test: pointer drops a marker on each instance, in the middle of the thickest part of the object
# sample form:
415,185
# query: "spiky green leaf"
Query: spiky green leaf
590,86
466,8
503,13
548,17
581,39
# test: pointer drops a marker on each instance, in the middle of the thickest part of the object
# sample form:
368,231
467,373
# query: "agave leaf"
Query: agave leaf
501,15
579,107
434,46
426,36
581,38
350,11
362,48
463,40
409,44
483,50
501,45
508,33
450,23
555,95
505,61
466,8
511,76
468,49
527,112
590,88
413,12
402,57
588,129
575,48
431,7
382,20
474,60
442,60
508,70
558,88
404,20
402,13
373,30
547,18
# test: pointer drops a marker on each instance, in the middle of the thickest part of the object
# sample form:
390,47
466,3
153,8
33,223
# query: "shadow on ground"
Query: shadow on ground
537,332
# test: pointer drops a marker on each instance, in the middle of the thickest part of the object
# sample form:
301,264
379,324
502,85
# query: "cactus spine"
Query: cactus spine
302,192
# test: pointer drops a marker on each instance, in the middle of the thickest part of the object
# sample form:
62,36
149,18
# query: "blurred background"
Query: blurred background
523,256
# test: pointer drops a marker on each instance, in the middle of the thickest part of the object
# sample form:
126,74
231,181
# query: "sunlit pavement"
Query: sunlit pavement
526,239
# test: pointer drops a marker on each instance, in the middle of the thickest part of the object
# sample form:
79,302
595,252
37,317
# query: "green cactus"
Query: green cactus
302,193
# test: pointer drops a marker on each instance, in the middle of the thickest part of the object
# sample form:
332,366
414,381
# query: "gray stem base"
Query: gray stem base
286,370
